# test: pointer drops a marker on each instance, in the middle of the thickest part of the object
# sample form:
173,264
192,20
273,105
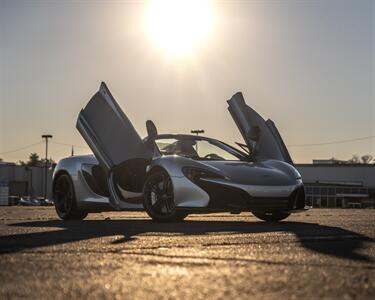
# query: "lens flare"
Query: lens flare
179,26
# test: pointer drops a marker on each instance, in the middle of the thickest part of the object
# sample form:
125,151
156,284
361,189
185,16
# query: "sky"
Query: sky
307,65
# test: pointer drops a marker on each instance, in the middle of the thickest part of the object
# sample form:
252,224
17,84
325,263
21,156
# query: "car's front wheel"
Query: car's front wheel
65,201
274,216
158,198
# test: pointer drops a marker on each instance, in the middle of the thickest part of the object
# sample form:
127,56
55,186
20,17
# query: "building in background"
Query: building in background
4,193
23,182
338,184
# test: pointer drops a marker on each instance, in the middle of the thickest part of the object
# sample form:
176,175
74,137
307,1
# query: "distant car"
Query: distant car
24,202
27,201
172,175
47,202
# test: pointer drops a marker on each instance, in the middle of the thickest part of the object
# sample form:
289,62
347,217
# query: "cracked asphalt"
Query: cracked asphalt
318,254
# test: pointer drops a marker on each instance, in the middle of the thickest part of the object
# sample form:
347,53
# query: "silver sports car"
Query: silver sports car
172,175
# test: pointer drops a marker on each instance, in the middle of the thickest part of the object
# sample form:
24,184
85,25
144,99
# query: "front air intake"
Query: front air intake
300,198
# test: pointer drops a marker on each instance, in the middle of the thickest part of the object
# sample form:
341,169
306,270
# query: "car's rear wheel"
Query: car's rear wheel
65,200
158,198
274,216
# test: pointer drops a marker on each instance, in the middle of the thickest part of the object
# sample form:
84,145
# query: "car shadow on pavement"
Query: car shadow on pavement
322,239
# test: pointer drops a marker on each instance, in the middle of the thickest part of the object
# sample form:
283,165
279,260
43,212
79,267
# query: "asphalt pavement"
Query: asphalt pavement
318,254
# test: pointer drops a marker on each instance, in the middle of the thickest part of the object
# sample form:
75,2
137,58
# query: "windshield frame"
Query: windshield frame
242,156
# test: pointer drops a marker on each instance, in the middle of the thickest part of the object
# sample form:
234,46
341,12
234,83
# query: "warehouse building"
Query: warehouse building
338,184
22,181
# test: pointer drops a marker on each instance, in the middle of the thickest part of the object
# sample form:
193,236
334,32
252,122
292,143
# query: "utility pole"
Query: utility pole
197,131
46,137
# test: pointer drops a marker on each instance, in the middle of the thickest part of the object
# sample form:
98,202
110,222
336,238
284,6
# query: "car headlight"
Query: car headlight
195,174
297,174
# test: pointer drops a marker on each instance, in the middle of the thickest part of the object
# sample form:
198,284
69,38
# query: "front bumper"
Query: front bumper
228,195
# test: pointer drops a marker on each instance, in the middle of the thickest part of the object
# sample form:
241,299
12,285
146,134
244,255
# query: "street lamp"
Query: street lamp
197,131
46,137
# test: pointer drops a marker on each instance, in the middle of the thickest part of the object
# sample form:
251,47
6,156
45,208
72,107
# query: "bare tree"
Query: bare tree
34,161
367,158
354,160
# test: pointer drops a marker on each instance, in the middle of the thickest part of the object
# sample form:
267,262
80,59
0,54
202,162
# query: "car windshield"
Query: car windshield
199,149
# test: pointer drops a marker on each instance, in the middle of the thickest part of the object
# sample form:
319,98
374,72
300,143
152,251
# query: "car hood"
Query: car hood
268,172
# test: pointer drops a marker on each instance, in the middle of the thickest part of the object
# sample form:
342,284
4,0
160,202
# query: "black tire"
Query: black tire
158,198
65,200
275,216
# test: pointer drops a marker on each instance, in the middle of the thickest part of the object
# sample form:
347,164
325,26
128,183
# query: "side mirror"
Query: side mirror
254,133
152,132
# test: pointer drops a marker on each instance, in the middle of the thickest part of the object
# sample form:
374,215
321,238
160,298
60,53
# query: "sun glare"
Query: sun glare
179,26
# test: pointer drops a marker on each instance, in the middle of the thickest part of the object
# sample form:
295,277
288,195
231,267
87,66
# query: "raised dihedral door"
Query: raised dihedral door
110,135
262,137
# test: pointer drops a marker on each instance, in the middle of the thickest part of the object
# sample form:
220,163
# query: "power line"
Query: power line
335,142
19,149
296,145
38,143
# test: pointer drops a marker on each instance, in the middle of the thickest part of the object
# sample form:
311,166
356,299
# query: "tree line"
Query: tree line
34,161
364,159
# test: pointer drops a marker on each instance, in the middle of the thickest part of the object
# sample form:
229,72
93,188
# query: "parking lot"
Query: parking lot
321,253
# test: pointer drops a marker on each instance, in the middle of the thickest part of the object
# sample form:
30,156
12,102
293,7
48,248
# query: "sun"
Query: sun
179,26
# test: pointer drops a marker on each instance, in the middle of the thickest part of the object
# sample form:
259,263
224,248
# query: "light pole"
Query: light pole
197,132
46,137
